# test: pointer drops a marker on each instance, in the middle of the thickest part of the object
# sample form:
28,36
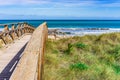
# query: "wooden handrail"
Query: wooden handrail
30,66
9,35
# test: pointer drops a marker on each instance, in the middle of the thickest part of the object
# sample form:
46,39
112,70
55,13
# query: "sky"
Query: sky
59,9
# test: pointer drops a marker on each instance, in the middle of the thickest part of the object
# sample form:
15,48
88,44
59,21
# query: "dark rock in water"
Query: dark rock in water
96,29
67,32
104,28
55,31
52,31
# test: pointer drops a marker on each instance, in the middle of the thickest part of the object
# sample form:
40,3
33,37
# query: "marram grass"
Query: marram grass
83,58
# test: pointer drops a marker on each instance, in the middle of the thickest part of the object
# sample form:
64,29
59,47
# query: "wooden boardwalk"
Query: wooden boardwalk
23,56
7,55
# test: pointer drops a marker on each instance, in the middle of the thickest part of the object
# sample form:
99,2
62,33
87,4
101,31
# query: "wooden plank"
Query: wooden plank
30,65
9,55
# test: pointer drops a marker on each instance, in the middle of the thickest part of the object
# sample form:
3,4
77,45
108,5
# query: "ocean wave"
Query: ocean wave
86,31
1,29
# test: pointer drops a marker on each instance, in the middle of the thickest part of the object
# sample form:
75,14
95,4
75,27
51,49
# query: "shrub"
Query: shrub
69,49
116,68
78,66
116,52
55,51
80,45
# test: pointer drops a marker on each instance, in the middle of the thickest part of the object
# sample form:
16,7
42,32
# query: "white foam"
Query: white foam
84,31
1,29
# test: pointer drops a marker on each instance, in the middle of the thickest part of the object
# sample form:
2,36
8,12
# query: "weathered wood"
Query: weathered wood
10,56
6,28
3,40
12,33
18,30
22,29
8,36
30,66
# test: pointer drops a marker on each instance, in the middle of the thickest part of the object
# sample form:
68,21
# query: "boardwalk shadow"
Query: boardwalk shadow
8,70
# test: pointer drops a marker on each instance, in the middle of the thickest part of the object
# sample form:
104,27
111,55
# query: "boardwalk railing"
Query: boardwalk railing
30,66
8,35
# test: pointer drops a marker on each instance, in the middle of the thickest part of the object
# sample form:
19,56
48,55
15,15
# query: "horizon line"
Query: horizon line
60,19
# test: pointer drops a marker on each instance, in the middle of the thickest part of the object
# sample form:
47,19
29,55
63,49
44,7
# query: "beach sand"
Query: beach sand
57,37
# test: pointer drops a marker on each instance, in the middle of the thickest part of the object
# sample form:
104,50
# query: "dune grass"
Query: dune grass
83,58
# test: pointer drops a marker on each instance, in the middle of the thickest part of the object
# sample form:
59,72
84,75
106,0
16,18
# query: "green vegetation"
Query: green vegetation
116,68
88,57
69,49
80,45
78,66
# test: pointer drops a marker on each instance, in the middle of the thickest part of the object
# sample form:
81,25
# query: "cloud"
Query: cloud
21,2
93,3
117,4
6,2
65,3
58,8
35,1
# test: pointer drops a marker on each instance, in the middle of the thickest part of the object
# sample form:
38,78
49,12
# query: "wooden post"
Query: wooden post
12,32
24,25
22,29
5,36
18,30
13,27
6,28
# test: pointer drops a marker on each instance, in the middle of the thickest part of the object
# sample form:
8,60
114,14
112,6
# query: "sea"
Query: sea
74,27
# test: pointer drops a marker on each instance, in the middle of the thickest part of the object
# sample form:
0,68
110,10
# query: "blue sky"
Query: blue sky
59,9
